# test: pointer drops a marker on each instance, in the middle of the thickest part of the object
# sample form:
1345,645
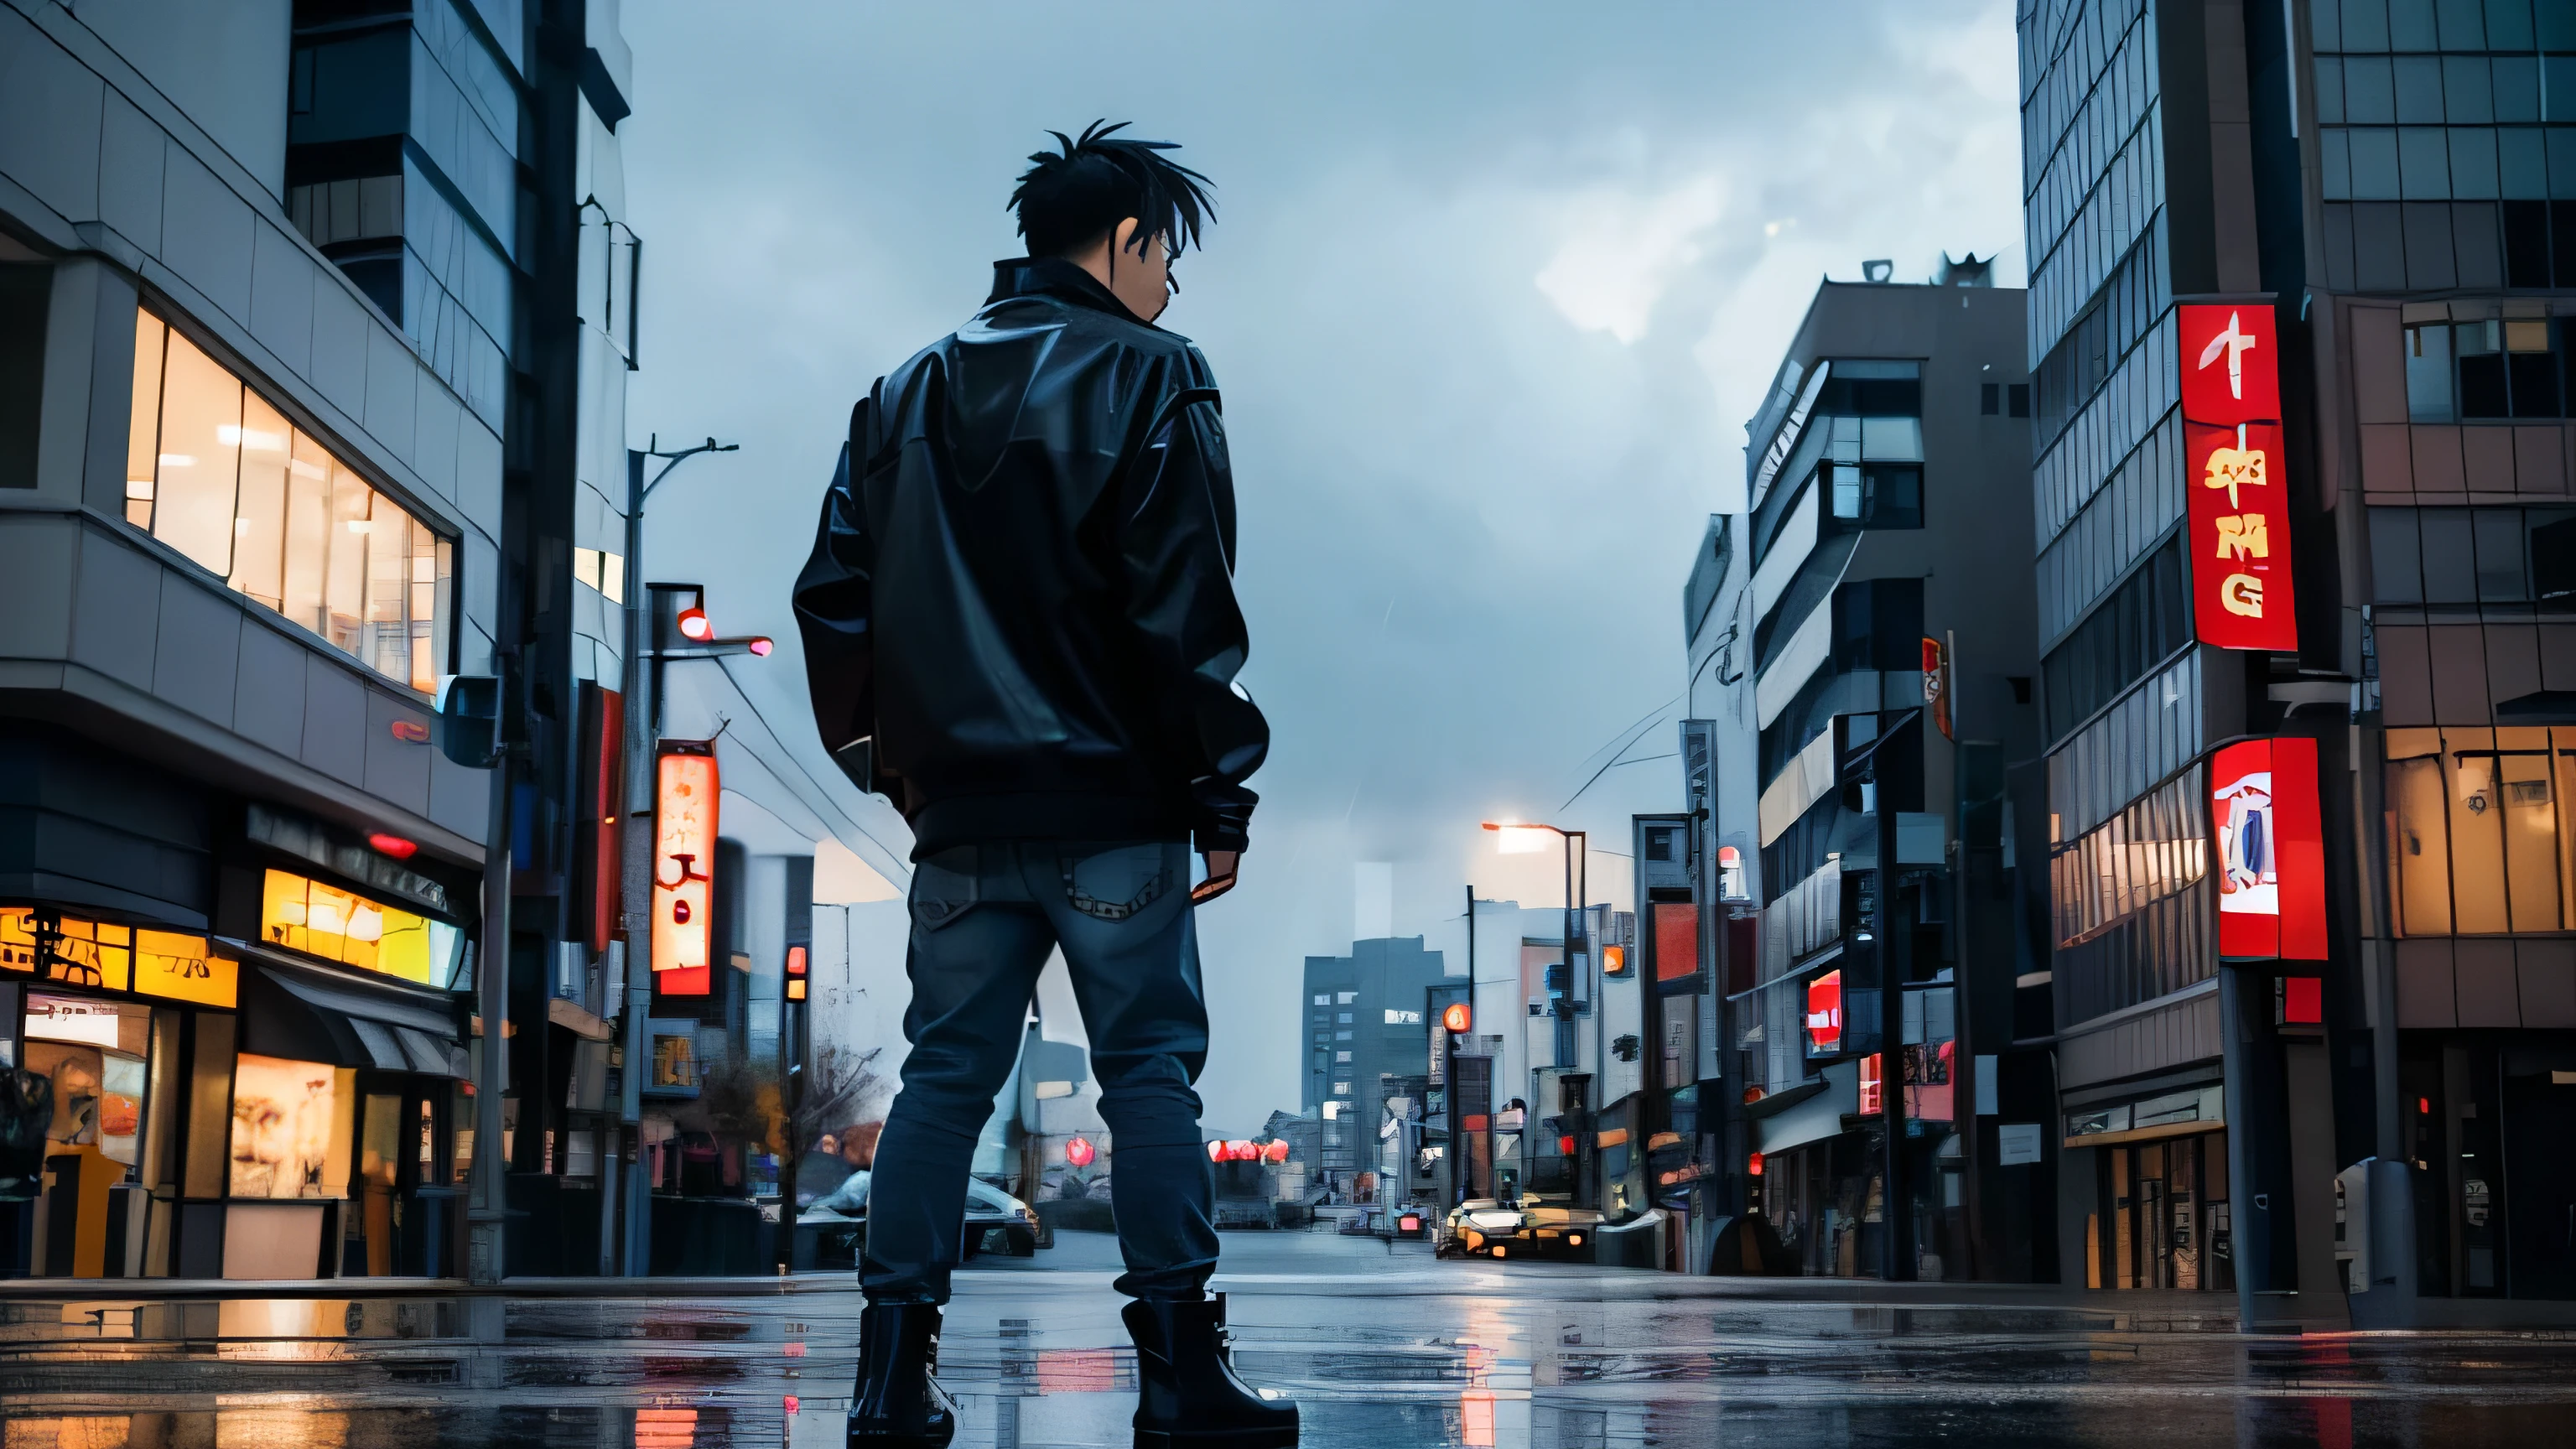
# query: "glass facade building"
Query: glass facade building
2395,180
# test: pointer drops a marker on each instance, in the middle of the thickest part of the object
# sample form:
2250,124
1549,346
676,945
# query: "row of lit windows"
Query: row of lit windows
216,472
2478,843
2151,850
2422,25
2490,369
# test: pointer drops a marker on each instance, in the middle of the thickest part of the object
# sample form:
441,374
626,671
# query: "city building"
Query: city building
2315,1002
1368,1042
1861,680
321,320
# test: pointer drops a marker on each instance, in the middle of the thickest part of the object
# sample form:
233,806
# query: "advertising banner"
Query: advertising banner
2269,848
2238,537
685,795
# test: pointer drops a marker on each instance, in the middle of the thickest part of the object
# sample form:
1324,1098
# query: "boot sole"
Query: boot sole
1281,1438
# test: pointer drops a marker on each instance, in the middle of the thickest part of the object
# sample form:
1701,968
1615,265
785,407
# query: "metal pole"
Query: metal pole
487,1206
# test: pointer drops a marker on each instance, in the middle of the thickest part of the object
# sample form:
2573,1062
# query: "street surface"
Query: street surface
1384,1347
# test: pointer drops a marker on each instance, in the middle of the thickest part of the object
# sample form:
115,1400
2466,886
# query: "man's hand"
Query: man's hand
1220,876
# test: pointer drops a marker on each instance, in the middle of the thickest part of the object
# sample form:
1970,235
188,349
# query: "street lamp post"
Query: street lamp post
1576,884
642,725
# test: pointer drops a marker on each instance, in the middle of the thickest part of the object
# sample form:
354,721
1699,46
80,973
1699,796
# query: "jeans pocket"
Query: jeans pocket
943,887
1115,884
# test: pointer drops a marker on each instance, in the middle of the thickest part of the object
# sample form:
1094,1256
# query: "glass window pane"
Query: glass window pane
2424,163
2428,373
2523,164
308,533
386,646
2329,91
2450,568
2410,25
422,611
200,457
2334,153
2419,89
2530,831
2396,574
2477,833
143,431
2461,23
344,586
442,624
2508,24
2369,91
259,525
2365,25
2473,163
2374,163
2517,87
2466,97
2421,848
2499,544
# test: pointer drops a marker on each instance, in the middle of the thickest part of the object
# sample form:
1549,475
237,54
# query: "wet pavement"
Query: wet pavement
1384,1347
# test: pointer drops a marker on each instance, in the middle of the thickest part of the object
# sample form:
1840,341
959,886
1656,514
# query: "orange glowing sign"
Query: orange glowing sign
685,791
1457,1018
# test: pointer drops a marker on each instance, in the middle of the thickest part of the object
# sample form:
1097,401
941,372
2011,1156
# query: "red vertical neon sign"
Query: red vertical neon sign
2239,534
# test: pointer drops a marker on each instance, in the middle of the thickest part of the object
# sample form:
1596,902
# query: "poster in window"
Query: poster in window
283,1114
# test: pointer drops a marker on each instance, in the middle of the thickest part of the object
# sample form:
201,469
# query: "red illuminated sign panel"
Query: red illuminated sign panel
686,792
2270,848
1825,1013
2239,539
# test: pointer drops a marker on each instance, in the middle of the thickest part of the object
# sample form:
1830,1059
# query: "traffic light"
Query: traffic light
679,616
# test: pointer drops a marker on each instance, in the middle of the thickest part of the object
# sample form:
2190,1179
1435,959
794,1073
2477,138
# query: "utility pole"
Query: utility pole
643,726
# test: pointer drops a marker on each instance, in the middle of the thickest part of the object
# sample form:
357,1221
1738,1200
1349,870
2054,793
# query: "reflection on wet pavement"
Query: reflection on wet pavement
1385,1351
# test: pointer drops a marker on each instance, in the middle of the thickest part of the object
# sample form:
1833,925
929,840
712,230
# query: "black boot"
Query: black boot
897,1404
1187,1394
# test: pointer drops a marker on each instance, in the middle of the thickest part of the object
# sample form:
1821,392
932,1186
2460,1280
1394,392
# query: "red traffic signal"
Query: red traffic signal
694,625
760,644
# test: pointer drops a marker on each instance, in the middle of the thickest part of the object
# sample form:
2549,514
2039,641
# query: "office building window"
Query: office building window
2018,399
216,472
2144,622
1341,1036
1344,1018
1341,1086
1323,998
1990,399
2472,555
1396,1016
1341,1056
2485,369
2132,901
1345,998
2478,843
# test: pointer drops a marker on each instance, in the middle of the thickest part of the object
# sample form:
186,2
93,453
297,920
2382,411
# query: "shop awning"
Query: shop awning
295,1011
1815,1118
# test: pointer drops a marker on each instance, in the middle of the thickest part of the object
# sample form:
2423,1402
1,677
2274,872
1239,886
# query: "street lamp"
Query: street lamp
1517,837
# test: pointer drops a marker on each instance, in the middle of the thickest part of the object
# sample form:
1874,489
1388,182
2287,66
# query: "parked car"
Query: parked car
996,1222
1484,1227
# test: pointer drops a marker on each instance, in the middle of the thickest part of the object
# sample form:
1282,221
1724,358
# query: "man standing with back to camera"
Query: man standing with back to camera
1019,623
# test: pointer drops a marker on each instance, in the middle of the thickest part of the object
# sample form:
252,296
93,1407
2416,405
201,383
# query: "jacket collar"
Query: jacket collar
1056,277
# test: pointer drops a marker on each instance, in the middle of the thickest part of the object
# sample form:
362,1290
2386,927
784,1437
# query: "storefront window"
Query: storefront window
115,958
343,926
216,472
286,1123
2477,842
92,1056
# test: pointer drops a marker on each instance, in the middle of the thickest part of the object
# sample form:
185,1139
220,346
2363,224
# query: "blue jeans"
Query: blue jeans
984,918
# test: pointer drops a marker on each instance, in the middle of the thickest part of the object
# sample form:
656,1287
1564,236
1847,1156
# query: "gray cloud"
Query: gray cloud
1492,291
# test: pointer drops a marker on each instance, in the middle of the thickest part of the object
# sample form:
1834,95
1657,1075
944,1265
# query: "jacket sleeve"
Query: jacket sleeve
835,610
1177,549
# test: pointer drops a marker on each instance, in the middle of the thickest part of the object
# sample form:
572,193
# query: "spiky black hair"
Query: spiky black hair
1069,198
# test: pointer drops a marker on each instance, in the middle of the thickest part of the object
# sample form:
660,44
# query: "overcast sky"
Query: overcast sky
1491,293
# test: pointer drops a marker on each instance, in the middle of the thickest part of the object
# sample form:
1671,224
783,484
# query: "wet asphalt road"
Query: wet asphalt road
1385,1349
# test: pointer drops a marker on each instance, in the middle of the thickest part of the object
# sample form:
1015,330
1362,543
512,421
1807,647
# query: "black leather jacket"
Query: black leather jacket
1022,587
